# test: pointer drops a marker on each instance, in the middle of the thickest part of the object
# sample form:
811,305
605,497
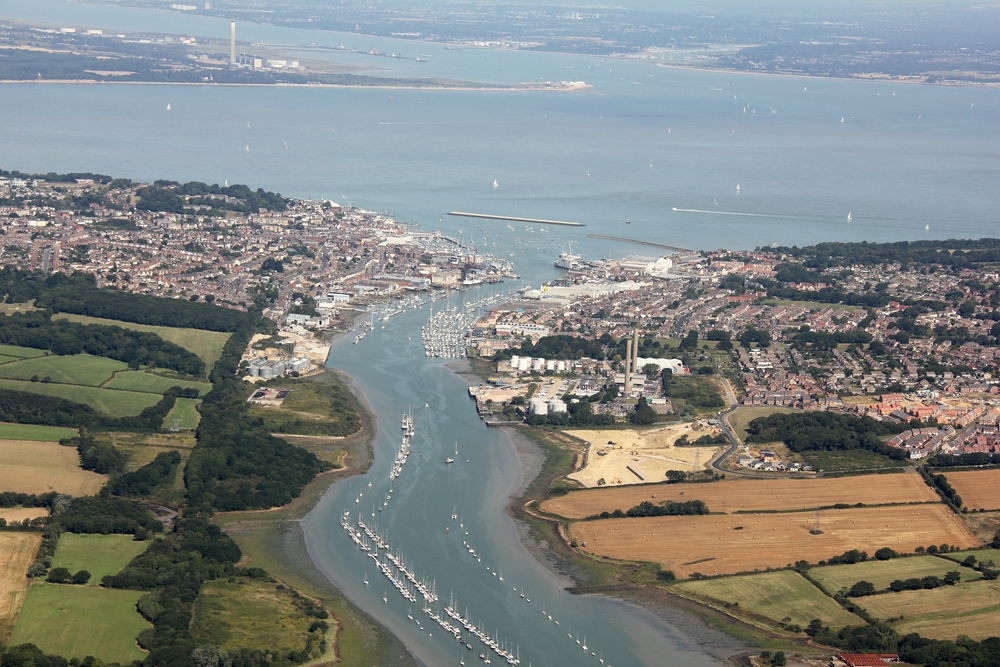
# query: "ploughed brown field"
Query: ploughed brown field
980,489
750,494
712,544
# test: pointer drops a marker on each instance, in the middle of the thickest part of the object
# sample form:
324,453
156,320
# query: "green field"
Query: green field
774,595
40,433
206,344
249,614
186,412
313,407
77,621
80,369
109,401
100,555
971,609
154,382
883,572
850,461
21,352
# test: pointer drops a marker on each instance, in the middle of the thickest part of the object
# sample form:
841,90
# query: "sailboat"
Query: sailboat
451,460
848,216
248,148
495,184
926,227
737,187
841,119
168,106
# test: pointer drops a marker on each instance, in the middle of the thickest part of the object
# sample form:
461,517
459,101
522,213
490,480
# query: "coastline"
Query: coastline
479,89
913,81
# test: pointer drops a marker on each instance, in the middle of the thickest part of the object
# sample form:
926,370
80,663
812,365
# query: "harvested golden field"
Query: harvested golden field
980,489
21,513
28,466
714,544
17,551
971,609
751,494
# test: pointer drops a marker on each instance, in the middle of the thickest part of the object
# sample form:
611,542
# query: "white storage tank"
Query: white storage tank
557,405
538,406
523,363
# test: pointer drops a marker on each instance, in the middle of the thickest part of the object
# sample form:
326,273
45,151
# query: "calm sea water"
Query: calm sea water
907,162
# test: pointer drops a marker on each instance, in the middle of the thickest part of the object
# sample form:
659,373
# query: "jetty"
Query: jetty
540,221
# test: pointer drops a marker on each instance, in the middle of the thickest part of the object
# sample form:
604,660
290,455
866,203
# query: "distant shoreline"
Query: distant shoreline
293,85
913,81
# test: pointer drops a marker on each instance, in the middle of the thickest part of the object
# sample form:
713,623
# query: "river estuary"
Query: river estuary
647,152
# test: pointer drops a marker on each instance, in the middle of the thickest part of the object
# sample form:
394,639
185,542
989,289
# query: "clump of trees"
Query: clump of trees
61,575
829,431
142,481
928,582
105,516
666,508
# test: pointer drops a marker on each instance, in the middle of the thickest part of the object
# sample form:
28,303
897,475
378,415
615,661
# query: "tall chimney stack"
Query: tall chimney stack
232,42
628,368
635,350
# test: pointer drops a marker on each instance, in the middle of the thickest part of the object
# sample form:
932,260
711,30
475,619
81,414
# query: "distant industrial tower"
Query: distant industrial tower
232,43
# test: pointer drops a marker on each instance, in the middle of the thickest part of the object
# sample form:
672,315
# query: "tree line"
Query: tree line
78,294
954,253
65,338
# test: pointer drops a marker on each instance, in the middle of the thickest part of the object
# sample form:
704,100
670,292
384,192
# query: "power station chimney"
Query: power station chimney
635,350
628,368
232,42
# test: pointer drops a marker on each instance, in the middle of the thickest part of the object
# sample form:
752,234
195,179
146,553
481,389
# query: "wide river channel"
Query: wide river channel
390,367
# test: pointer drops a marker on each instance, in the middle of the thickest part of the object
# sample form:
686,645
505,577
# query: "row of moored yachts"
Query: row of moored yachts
404,448
393,567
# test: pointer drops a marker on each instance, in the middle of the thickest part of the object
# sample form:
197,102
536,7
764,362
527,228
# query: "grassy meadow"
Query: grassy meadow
77,621
774,595
185,412
81,369
100,555
154,383
18,352
32,432
883,572
249,613
109,401
971,609
206,344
